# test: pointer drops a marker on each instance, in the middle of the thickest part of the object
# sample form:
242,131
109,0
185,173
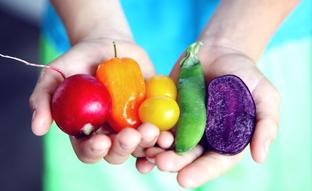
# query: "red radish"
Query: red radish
80,105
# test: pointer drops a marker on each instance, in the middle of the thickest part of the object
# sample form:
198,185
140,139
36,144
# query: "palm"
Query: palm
84,58
195,168
86,55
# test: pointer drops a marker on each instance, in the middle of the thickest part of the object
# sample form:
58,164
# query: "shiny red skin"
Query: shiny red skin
79,100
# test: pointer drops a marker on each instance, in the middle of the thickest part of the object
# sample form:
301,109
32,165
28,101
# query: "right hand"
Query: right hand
84,57
196,166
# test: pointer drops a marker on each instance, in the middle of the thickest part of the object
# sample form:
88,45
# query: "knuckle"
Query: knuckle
124,151
139,152
32,100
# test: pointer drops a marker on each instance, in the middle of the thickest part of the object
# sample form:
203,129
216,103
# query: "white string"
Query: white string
32,64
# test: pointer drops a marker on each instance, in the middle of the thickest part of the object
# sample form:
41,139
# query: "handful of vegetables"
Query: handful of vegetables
227,116
120,97
82,103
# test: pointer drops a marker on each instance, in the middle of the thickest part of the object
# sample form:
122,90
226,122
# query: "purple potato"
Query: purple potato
231,115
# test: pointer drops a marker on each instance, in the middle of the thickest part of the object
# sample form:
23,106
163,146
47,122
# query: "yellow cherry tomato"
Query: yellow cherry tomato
160,86
161,111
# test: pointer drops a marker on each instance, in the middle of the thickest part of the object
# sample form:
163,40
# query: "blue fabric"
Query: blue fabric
165,28
53,29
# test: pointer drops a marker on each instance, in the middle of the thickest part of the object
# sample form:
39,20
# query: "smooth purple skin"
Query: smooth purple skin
231,115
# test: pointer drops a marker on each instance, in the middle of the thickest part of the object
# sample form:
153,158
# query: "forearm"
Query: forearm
95,18
246,25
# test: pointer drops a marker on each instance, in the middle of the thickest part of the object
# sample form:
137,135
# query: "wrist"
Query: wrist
219,46
99,27
222,42
102,31
93,19
214,49
246,25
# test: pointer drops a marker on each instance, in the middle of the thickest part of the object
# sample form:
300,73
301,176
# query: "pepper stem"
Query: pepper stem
191,54
115,49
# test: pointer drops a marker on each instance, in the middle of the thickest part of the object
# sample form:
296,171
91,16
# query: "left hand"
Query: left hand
83,58
195,167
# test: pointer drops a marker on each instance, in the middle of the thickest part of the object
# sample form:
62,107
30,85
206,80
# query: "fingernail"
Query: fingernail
155,139
267,143
34,114
151,160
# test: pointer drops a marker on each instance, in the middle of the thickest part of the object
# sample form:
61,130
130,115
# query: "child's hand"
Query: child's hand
194,168
83,58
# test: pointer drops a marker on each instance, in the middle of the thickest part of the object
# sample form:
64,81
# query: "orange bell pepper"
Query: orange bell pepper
125,83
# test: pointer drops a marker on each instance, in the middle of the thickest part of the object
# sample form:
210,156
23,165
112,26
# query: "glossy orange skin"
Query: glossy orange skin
125,83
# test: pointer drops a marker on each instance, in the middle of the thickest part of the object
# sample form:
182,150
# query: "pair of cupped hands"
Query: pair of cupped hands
150,146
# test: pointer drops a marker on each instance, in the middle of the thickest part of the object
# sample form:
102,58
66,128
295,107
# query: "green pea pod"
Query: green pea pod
191,99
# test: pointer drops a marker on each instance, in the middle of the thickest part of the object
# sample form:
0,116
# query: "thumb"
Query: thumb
40,101
174,74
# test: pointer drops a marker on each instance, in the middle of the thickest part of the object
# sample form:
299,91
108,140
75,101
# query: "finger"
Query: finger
151,153
172,162
174,74
209,166
91,149
149,134
124,144
40,101
267,121
165,139
43,91
144,166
